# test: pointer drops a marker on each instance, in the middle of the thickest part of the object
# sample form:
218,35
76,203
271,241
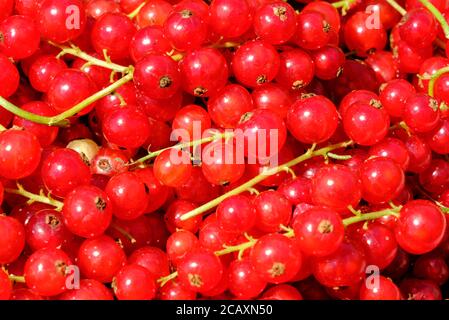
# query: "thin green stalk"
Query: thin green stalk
189,144
371,216
244,187
60,120
433,78
437,14
42,198
77,52
396,6
136,11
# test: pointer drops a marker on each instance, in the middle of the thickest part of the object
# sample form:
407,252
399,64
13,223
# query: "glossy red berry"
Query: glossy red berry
63,170
45,134
361,35
328,62
68,88
296,69
186,30
113,32
366,124
312,120
275,22
230,19
236,214
421,113
255,63
126,127
9,77
276,258
100,258
173,167
46,271
16,31
46,229
12,241
244,282
203,72
200,270
319,231
134,282
221,164
128,195
420,227
157,76
382,289
313,30
344,267
228,105
61,20
418,28
382,179
17,162
393,96
149,40
87,211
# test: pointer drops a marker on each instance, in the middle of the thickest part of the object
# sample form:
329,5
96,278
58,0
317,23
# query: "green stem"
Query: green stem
189,144
77,52
242,188
437,14
36,197
136,11
238,248
2,128
396,6
345,5
163,281
14,278
371,216
433,78
60,120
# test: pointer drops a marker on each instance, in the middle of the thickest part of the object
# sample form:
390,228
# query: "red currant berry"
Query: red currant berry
244,282
227,107
296,69
128,195
173,167
276,258
126,127
236,214
185,30
204,72
17,162
87,211
61,20
100,258
420,227
313,119
16,31
255,63
366,124
344,267
46,271
382,180
134,282
319,231
200,271
384,289
12,241
230,18
275,22
113,32
63,170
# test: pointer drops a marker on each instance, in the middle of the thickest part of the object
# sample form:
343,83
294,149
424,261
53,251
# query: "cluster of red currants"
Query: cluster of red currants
100,201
